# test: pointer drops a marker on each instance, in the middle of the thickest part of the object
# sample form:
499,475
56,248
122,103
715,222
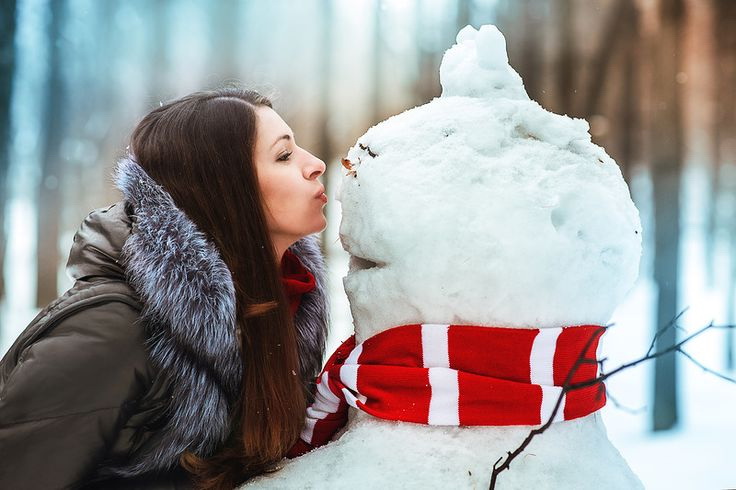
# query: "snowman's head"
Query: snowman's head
481,207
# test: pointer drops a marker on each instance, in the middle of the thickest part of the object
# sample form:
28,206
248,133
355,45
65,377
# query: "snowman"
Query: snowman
490,242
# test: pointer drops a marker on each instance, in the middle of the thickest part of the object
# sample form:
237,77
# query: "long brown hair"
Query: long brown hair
199,148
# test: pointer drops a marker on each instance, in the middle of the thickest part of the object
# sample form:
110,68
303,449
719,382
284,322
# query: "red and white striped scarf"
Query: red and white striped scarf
456,375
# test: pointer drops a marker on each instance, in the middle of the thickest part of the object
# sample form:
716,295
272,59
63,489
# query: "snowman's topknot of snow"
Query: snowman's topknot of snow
481,207
478,66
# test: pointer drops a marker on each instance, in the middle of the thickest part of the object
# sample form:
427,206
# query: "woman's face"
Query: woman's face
288,179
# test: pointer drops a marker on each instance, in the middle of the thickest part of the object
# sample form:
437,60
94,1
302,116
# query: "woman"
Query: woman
184,354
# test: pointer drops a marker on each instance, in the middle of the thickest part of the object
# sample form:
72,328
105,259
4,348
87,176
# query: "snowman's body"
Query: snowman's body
378,454
478,208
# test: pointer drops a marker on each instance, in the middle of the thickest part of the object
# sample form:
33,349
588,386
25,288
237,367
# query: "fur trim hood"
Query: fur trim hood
188,302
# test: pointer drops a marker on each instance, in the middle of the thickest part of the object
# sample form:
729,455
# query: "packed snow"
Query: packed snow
480,208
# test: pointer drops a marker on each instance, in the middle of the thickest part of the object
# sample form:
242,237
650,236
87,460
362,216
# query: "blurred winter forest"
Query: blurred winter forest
655,79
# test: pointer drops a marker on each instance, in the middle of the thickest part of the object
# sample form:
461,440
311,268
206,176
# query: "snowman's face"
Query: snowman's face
470,211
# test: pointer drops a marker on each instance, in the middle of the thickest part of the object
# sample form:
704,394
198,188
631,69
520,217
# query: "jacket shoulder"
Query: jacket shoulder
87,353
78,299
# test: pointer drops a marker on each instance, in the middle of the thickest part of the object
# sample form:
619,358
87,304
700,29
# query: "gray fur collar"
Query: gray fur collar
189,309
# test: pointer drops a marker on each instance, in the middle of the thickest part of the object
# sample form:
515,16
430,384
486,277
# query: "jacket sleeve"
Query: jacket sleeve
61,405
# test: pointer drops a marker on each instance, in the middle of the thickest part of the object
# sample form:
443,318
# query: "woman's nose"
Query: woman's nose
315,168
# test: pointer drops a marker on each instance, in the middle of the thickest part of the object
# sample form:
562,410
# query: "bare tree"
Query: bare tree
464,13
628,139
48,192
324,142
428,59
87,124
377,64
7,68
724,147
566,61
531,49
159,28
666,162
616,28
617,43
225,20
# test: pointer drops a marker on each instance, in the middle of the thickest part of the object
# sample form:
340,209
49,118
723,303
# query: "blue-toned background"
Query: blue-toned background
655,79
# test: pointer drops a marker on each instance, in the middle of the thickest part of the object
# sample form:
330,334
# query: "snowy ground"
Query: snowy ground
700,452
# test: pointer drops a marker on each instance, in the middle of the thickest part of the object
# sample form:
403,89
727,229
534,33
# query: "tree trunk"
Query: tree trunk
530,65
377,113
158,27
566,62
48,193
427,85
666,161
324,142
616,29
464,13
224,24
630,123
7,65
724,148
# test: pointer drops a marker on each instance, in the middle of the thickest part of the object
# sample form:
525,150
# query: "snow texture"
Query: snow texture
479,207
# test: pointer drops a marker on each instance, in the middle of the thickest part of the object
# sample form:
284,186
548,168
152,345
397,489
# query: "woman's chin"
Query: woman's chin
322,221
319,225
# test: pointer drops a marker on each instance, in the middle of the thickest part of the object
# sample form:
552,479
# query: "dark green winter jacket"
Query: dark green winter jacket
138,361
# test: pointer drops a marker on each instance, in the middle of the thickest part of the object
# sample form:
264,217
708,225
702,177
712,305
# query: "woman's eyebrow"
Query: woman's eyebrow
282,137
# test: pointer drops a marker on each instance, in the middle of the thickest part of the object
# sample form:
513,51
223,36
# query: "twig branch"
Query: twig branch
620,406
706,369
504,463
663,329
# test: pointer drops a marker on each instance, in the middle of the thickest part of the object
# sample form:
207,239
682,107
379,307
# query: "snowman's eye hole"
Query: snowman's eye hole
368,149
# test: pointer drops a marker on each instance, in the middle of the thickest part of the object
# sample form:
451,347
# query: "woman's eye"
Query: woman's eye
284,157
